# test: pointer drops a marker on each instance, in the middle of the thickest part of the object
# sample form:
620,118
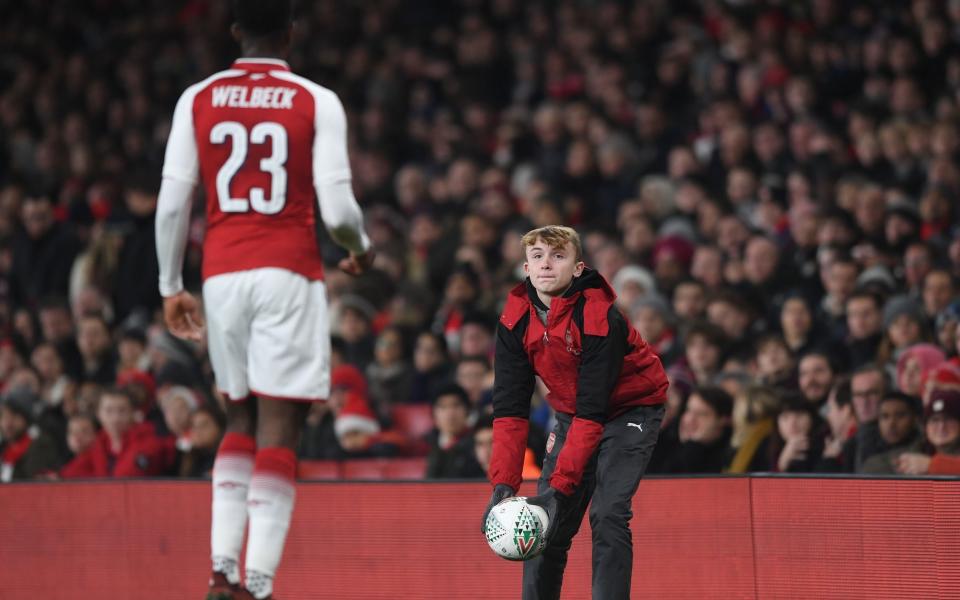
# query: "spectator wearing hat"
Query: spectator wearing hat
898,418
206,429
651,316
914,366
904,325
124,447
177,403
672,256
319,439
945,328
704,433
358,430
451,445
632,283
942,428
25,451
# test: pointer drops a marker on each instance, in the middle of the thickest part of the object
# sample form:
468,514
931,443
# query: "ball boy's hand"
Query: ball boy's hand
501,492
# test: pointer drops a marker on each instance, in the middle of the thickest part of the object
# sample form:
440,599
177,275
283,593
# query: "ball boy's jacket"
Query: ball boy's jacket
593,362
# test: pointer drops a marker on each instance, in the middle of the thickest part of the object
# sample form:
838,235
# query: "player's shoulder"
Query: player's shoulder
193,90
324,96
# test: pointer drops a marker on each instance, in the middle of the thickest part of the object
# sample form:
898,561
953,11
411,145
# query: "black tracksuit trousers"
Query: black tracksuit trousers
610,480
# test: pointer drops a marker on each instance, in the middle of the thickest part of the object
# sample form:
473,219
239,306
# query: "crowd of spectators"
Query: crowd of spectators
771,187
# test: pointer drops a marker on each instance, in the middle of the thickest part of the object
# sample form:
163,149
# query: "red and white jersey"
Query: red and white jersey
262,141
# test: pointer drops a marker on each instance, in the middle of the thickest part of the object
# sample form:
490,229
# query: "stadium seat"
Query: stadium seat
318,469
366,468
415,420
405,468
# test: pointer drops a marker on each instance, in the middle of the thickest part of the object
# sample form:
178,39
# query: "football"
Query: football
515,530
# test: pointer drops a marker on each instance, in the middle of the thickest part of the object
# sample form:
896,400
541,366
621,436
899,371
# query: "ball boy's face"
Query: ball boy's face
551,270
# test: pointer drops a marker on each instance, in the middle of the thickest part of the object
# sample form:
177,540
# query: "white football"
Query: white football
515,530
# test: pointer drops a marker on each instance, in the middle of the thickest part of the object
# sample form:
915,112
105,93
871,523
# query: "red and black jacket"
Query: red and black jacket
593,362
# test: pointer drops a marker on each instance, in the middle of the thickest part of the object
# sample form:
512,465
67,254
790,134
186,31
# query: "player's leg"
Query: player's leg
227,330
272,492
288,368
543,575
625,449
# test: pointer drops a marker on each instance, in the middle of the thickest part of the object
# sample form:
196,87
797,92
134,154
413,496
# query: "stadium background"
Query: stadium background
665,131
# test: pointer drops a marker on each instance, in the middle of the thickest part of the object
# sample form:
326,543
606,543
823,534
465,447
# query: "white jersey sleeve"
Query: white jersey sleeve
331,175
181,161
181,170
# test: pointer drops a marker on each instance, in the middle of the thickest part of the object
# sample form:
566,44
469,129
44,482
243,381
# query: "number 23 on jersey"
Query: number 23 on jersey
273,164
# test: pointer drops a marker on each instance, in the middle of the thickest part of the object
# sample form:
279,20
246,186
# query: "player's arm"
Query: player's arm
332,181
600,366
181,170
512,390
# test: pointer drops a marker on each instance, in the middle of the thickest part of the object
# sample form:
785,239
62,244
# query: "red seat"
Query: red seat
318,469
405,468
415,420
363,468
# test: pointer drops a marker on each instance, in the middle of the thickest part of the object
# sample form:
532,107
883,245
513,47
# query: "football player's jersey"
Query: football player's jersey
260,139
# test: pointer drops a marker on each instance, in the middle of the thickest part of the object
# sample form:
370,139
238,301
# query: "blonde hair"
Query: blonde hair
555,236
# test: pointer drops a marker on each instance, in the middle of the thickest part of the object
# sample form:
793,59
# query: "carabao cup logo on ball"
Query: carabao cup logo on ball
515,529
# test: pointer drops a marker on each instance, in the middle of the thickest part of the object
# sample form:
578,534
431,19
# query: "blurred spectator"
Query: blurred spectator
705,429
815,377
754,420
206,430
451,445
25,451
801,184
43,254
914,366
123,448
431,367
898,420
81,433
797,441
867,386
943,434
651,316
840,447
475,375
389,376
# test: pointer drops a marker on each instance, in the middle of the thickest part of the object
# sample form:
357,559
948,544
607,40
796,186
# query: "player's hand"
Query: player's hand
355,264
182,316
550,501
501,492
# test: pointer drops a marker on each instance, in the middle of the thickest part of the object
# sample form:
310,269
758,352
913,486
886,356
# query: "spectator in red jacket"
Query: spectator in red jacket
124,447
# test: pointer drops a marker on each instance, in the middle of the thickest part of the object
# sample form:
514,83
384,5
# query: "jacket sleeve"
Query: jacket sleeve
512,390
943,464
80,466
600,366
